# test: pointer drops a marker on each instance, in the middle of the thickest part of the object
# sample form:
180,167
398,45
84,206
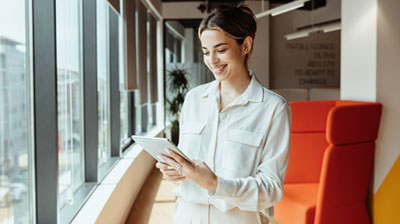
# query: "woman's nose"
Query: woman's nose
214,59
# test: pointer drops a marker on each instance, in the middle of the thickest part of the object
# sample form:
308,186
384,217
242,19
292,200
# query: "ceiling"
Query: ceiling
314,4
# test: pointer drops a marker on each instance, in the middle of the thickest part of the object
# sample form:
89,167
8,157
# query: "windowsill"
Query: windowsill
67,212
91,210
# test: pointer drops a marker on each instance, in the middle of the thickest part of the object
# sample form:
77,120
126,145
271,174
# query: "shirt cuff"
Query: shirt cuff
223,188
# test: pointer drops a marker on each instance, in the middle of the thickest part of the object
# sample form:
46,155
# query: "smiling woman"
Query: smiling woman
235,131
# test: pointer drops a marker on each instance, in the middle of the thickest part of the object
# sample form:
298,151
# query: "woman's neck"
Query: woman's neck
236,85
233,88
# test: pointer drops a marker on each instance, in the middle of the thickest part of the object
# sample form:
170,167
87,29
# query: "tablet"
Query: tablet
156,146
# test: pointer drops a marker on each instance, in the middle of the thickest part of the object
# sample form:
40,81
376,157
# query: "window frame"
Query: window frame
44,130
45,111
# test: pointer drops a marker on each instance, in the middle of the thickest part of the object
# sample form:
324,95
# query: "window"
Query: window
103,82
15,147
125,138
125,96
152,69
69,99
147,94
142,50
53,73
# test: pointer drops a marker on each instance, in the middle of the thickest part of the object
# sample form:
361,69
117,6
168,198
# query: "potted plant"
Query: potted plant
178,85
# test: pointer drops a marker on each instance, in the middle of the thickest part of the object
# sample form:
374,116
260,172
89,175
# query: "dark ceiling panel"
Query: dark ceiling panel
225,1
314,4
190,23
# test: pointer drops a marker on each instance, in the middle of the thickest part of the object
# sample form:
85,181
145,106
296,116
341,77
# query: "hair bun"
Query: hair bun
246,9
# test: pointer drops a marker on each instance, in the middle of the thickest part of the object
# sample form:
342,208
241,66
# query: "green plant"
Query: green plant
178,85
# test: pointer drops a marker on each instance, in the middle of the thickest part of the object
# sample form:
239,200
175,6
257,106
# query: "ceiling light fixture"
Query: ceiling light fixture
316,29
282,9
332,27
296,35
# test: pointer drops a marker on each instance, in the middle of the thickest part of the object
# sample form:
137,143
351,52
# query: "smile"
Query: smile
219,70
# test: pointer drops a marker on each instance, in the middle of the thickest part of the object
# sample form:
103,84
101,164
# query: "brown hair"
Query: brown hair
236,22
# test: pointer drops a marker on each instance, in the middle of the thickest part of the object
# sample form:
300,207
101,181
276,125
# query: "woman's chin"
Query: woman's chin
220,77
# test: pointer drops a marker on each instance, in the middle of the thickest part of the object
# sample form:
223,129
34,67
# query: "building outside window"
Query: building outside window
15,148
103,81
69,99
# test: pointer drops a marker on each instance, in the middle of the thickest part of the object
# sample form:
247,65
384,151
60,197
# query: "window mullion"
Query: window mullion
114,85
45,110
90,90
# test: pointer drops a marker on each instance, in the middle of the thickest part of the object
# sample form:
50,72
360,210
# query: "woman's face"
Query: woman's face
222,54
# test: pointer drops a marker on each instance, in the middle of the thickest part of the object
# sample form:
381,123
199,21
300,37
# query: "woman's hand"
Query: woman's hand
197,171
169,173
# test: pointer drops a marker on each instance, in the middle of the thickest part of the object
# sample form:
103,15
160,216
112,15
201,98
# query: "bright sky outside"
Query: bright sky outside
13,25
12,19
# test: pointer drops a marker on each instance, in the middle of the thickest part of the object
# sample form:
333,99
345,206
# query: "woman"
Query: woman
236,132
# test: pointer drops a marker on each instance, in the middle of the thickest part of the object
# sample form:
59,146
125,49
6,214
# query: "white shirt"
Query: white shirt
246,145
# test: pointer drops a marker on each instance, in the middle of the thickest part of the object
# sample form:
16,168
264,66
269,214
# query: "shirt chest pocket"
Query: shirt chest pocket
191,137
240,151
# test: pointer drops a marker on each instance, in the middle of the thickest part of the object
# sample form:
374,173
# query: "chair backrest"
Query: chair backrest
352,128
308,140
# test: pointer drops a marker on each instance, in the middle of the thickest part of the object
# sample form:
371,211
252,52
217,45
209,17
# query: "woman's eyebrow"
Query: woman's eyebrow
215,46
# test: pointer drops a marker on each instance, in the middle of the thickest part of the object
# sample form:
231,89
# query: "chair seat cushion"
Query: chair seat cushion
298,204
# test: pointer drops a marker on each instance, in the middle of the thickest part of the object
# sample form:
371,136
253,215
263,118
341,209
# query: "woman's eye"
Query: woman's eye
205,53
220,51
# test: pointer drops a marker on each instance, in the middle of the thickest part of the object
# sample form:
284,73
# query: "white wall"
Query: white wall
259,60
370,67
309,62
358,50
387,87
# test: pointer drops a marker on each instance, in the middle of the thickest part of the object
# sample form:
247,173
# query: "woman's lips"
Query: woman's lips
219,69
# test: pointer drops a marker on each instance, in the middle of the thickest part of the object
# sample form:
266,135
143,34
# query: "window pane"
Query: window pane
153,68
123,94
15,168
124,114
103,81
138,113
69,98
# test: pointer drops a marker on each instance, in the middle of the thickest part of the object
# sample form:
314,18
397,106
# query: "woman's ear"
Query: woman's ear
247,45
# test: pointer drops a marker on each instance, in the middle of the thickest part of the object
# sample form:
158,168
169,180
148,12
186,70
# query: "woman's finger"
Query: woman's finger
171,173
170,161
163,166
175,179
179,159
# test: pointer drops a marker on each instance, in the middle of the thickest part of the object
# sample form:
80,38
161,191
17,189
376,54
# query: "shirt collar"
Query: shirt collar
253,93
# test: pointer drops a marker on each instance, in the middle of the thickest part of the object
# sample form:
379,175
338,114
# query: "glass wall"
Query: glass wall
124,95
182,52
69,99
15,147
103,81
77,170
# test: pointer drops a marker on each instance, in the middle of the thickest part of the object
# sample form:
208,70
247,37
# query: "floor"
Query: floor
155,203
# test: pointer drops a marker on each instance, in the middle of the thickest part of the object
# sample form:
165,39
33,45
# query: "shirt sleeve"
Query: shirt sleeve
265,189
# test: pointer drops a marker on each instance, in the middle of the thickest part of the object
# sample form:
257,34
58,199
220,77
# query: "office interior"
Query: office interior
79,77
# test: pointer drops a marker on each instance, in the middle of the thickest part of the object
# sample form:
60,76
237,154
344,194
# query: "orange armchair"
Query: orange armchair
330,162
